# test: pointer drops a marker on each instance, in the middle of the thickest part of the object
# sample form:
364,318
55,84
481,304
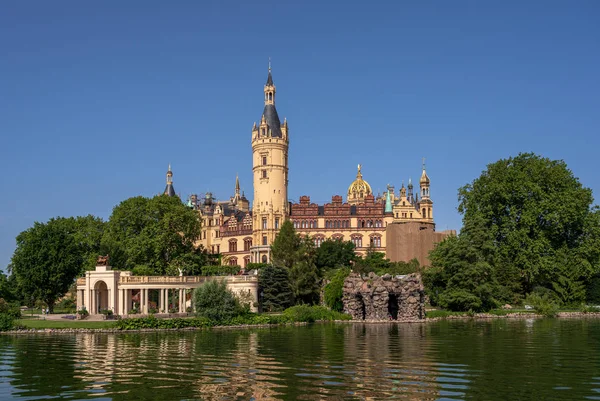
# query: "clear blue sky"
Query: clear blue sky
97,98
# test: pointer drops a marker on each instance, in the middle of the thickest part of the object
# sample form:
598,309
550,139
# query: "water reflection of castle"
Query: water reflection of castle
368,361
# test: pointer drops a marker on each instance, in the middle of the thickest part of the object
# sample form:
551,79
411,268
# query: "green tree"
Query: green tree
275,288
47,260
527,222
214,301
373,261
333,254
285,248
305,277
158,233
334,290
87,232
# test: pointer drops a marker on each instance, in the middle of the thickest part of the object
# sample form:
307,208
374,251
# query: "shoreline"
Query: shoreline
477,316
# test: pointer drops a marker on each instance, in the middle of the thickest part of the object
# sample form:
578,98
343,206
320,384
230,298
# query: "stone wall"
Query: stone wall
387,297
410,240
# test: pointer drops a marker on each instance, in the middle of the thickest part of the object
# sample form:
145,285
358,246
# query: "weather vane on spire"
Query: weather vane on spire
423,163
269,64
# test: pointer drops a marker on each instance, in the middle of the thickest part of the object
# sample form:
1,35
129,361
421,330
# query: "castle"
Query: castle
399,224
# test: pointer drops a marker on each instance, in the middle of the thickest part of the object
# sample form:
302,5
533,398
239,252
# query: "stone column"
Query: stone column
180,300
92,310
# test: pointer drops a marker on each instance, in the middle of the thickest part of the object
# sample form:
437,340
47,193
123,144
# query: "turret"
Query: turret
426,205
169,190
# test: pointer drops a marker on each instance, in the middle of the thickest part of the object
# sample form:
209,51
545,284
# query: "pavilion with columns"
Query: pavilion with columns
120,292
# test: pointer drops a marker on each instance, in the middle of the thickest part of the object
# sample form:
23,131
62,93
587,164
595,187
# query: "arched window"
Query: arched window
264,258
376,241
424,213
429,212
233,245
233,262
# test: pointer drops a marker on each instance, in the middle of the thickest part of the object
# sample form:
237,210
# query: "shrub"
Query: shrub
542,304
589,308
6,322
459,300
11,309
335,289
215,302
220,270
305,313
593,290
66,304
83,312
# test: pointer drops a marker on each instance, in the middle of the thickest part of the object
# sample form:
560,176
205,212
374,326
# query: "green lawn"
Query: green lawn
63,324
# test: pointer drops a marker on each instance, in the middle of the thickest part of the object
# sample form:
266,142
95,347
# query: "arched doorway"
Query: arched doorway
264,258
393,306
100,296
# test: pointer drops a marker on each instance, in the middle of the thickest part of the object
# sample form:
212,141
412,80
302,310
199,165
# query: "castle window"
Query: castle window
217,233
403,203
411,215
429,212
247,244
276,223
264,160
264,242
376,242
424,213
233,246
357,241
232,261
264,223
218,248
264,174
264,257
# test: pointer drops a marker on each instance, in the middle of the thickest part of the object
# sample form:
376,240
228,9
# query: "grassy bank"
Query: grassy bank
296,314
63,324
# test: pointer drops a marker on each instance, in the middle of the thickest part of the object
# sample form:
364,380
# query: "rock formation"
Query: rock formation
384,298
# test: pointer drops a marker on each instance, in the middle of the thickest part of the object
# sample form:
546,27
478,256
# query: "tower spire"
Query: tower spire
269,77
237,184
169,190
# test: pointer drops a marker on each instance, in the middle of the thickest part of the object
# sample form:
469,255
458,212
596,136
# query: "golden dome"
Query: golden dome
424,178
359,189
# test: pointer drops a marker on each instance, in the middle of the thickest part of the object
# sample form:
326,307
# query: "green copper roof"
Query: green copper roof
388,202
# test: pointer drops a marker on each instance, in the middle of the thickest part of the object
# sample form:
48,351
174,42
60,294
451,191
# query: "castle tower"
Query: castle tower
169,190
426,204
270,176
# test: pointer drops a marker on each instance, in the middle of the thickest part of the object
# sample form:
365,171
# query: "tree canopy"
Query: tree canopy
527,223
153,236
333,254
49,256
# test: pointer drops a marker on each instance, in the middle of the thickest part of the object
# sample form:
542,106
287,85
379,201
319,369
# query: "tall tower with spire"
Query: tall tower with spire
270,175
426,204
169,190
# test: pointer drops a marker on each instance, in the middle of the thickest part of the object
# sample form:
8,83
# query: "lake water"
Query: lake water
504,359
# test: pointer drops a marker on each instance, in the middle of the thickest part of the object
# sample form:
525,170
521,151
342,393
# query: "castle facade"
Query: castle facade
400,224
